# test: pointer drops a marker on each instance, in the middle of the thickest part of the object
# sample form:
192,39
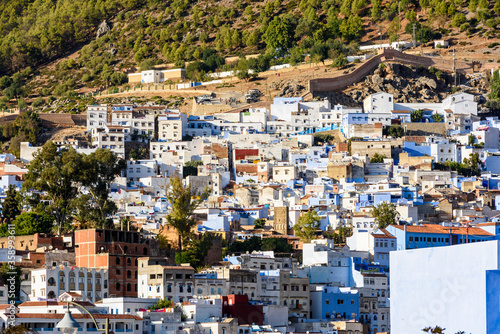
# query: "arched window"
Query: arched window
81,281
125,249
129,274
98,282
145,251
136,262
72,281
135,272
89,282
117,261
105,284
129,287
62,281
52,281
51,295
135,287
129,262
118,287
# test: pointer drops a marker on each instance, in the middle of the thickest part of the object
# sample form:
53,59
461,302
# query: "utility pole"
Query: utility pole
414,38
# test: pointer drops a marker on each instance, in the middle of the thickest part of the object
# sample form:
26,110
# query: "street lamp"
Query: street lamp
68,324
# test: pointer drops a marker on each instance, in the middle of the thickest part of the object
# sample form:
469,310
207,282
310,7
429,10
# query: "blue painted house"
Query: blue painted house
431,235
331,302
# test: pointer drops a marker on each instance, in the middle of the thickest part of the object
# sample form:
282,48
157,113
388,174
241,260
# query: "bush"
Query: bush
38,102
465,27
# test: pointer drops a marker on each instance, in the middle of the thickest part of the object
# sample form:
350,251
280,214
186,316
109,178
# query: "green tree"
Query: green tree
494,86
56,173
278,245
319,52
195,251
191,168
395,131
184,203
438,118
307,226
424,35
29,223
279,35
351,28
377,158
11,273
259,223
100,168
162,303
472,139
340,235
385,214
473,162
10,206
417,116
434,330
138,153
376,9
249,245
340,61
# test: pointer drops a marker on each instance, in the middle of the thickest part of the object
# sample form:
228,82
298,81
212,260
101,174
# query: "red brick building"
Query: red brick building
117,251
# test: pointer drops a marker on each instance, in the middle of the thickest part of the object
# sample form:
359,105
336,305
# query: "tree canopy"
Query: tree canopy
417,115
184,202
307,226
385,214
72,184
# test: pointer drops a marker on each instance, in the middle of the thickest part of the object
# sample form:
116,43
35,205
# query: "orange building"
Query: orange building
117,251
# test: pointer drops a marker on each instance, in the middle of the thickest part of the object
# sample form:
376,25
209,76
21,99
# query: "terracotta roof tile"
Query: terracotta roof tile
429,228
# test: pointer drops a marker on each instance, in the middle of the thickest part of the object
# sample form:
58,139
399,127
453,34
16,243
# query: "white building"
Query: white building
172,126
126,305
442,150
111,137
50,282
97,117
202,310
446,286
141,168
158,280
43,316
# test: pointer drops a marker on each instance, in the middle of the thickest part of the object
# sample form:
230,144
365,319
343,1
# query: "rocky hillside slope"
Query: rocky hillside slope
409,85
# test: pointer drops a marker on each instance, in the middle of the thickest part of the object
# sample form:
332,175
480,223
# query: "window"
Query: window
340,301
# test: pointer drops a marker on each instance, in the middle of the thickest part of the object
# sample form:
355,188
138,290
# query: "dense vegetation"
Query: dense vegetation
149,32
63,189
278,245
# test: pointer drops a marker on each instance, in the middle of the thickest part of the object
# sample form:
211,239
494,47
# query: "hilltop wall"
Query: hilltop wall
385,55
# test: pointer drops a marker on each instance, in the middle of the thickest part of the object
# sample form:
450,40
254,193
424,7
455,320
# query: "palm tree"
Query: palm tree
438,118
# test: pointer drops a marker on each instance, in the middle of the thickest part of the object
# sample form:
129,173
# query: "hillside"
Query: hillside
52,45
